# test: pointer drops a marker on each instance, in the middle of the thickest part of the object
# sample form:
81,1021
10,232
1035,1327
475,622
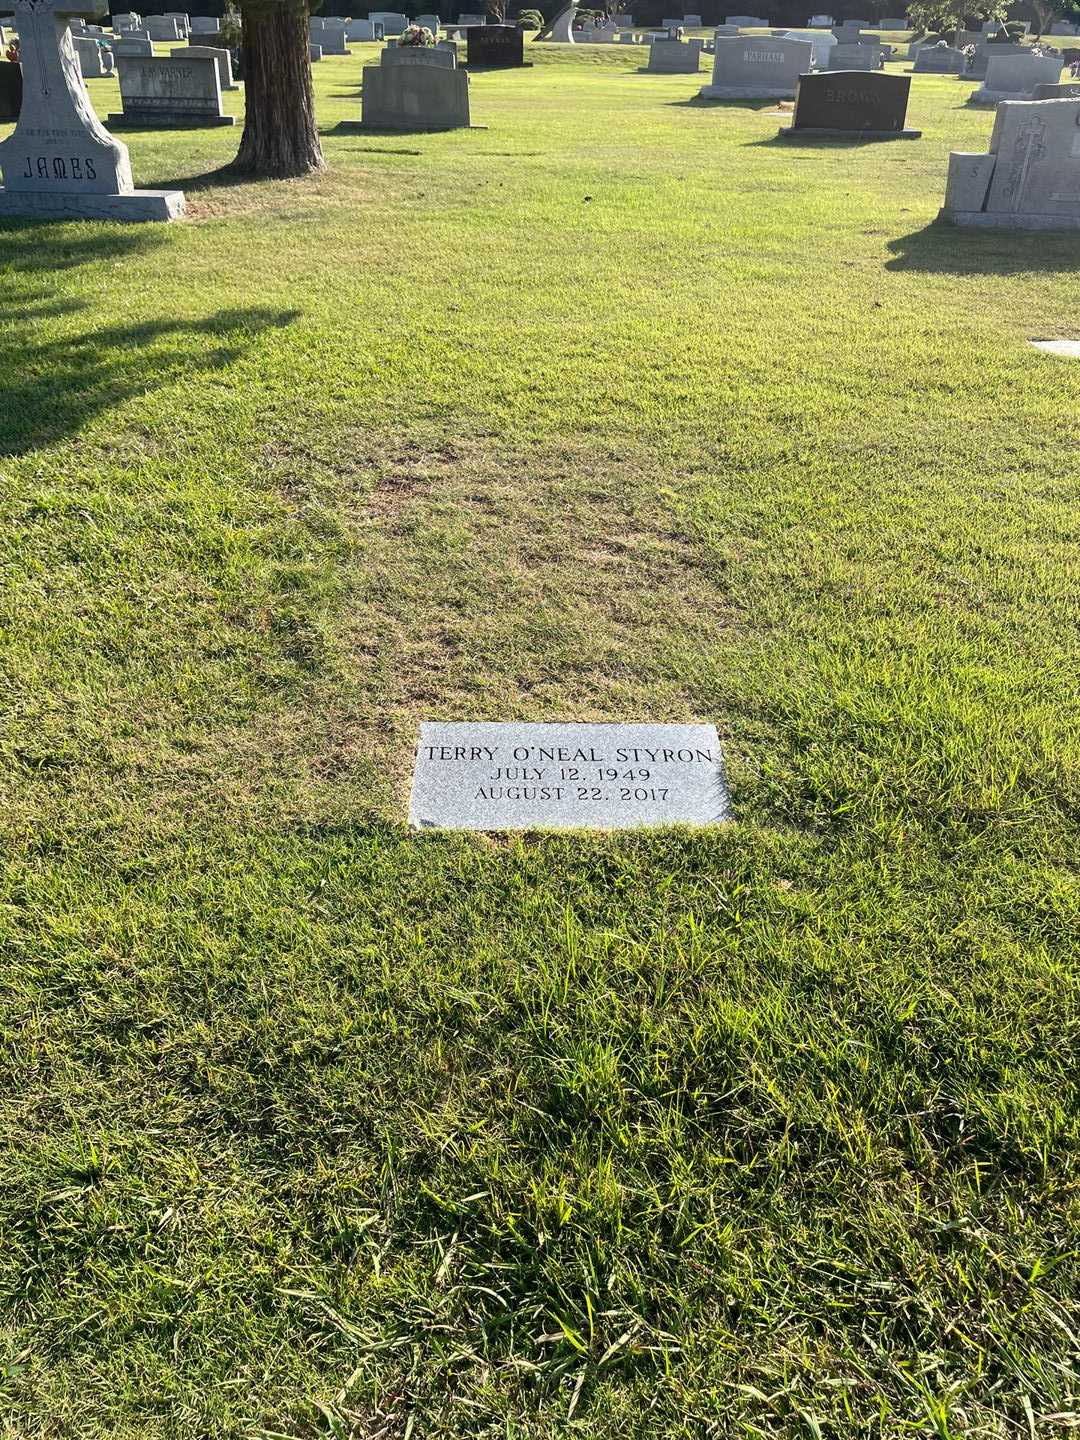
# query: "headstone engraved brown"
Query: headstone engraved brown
61,162
851,104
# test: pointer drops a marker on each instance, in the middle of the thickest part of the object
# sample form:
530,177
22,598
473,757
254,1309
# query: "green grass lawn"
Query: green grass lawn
619,409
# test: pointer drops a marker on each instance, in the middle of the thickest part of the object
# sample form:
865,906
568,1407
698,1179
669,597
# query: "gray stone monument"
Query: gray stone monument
855,57
131,47
823,41
61,163
95,61
1030,177
392,21
438,55
429,22
364,30
222,59
675,57
422,91
170,93
483,776
939,60
163,27
758,69
1014,77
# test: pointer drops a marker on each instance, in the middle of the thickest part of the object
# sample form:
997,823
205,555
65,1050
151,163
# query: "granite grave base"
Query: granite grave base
137,205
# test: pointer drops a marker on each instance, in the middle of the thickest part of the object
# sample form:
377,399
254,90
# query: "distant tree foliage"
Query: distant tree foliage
950,16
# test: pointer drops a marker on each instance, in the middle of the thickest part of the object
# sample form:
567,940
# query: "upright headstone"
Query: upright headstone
314,53
429,22
95,61
162,28
61,163
204,25
757,69
438,55
1014,77
168,93
392,22
329,33
494,47
855,57
894,22
822,42
183,21
675,57
426,94
1030,177
131,47
940,60
821,22
221,58
851,104
364,30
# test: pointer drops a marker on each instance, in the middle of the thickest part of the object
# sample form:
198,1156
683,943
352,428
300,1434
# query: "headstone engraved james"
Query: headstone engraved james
61,162
485,776
168,92
853,104
495,46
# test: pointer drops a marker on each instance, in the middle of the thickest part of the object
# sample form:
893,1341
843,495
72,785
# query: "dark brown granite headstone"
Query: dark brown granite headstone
495,46
10,90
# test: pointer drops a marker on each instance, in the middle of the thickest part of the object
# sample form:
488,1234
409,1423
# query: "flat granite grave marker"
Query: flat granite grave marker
61,163
488,776
168,92
853,105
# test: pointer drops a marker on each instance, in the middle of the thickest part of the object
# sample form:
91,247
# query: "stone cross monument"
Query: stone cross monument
61,162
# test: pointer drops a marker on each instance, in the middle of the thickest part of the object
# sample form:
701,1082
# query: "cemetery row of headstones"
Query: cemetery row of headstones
61,161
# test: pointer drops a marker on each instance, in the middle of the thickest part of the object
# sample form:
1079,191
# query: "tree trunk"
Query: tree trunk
280,136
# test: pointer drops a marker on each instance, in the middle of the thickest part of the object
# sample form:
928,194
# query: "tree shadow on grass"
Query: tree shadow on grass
54,384
941,248
222,178
698,102
854,141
